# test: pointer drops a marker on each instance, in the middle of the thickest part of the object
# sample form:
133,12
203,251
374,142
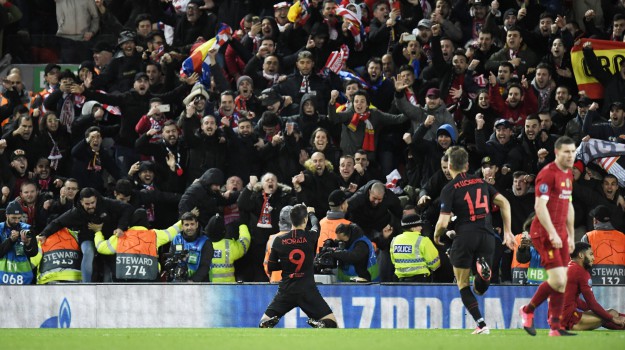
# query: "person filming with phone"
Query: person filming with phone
154,120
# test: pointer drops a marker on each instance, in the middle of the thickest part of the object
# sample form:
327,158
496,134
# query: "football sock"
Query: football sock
557,305
469,301
542,293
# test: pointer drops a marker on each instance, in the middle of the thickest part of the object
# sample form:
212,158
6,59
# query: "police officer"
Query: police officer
357,262
226,251
197,244
414,256
16,246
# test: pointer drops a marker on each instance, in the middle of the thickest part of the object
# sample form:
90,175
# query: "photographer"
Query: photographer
16,246
199,248
357,262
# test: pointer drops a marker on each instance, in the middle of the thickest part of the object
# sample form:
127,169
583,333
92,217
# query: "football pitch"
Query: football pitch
300,339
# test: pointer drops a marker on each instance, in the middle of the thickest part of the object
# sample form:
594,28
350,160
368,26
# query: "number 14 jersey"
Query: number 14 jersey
468,197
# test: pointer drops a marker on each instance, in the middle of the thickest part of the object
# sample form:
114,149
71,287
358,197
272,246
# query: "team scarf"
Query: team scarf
368,142
94,163
305,85
410,96
264,219
608,155
55,153
271,78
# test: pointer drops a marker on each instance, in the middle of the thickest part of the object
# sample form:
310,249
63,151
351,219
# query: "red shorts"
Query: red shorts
571,320
551,257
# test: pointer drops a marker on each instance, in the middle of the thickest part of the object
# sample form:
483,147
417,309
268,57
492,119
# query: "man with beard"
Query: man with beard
206,146
16,246
564,110
102,55
193,23
535,147
93,208
166,151
543,87
23,137
34,206
133,104
380,89
242,151
205,195
377,211
200,249
499,147
521,101
14,173
261,203
612,130
586,314
314,185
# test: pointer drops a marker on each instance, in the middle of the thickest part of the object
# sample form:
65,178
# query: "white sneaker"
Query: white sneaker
483,330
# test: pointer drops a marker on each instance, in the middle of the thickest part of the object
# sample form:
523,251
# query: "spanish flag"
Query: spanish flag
610,55
199,60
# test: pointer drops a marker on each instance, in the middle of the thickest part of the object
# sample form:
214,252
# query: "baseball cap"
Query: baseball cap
433,92
336,198
486,161
13,208
503,122
584,101
285,218
18,153
425,23
411,220
269,97
141,75
617,104
49,67
601,213
281,5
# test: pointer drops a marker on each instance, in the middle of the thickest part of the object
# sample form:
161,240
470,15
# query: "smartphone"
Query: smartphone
163,108
410,37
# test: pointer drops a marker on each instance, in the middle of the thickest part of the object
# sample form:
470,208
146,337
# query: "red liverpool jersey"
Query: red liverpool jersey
555,186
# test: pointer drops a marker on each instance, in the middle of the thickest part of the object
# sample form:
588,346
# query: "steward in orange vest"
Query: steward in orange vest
608,247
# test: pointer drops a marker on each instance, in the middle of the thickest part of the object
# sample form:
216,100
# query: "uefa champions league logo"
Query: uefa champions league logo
63,320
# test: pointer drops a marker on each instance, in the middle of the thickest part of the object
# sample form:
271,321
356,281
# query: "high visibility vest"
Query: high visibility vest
15,267
274,276
347,271
137,258
413,254
4,101
328,230
532,272
195,251
60,258
608,246
226,252
519,270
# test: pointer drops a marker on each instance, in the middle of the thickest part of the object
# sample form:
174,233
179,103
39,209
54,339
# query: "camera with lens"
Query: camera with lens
175,268
324,262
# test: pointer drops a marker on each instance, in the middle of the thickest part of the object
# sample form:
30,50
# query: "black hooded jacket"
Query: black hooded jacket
200,195
113,214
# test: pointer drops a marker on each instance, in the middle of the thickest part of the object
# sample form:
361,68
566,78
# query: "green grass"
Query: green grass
299,339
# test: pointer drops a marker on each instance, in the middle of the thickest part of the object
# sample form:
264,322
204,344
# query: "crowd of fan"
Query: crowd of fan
421,76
